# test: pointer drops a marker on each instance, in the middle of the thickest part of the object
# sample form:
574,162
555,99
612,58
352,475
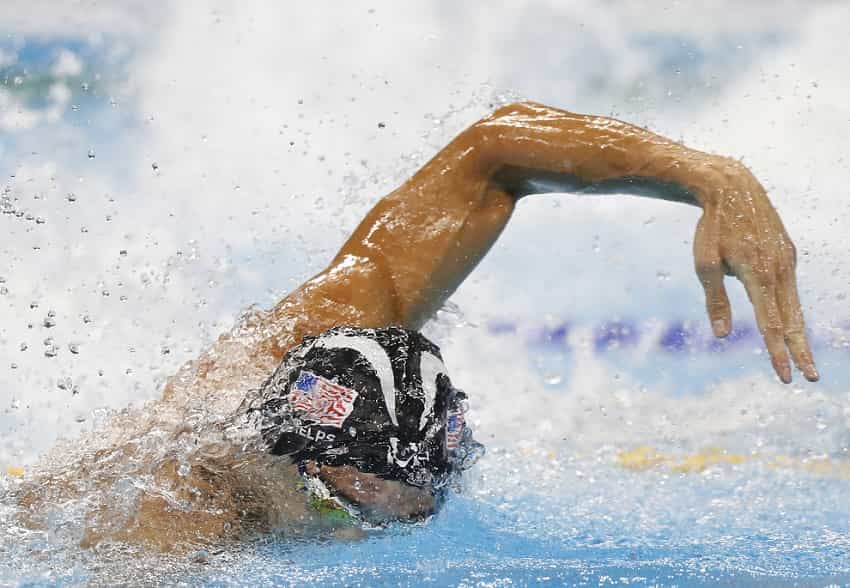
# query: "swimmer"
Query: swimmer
351,414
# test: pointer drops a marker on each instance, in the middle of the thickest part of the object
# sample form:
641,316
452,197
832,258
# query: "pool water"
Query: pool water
588,480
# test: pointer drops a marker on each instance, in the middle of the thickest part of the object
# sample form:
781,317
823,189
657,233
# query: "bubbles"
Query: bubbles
201,556
67,384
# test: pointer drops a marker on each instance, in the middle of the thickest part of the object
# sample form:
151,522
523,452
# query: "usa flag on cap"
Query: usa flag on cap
320,400
454,428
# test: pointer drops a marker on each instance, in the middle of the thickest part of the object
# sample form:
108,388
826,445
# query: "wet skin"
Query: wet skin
380,499
416,246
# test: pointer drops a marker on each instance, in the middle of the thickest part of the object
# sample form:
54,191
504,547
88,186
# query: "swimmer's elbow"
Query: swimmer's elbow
521,109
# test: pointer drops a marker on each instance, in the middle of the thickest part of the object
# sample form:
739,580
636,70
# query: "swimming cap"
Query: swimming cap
377,399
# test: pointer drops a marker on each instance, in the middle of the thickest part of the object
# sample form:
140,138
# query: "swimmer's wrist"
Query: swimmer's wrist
714,177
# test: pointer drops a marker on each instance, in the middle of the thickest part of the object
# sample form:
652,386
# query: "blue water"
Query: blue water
551,504
736,526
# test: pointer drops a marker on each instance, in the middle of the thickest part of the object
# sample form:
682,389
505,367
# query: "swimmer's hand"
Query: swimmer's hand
741,234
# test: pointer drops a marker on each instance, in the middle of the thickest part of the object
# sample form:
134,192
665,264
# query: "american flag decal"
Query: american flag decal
454,429
320,400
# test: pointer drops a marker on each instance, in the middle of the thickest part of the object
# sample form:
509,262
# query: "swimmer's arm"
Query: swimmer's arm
532,148
418,244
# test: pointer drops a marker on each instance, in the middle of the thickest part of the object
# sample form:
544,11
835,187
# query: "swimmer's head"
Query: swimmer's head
368,406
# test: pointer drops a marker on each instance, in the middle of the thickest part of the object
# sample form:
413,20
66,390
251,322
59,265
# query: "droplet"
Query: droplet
24,346
382,125
33,304
51,351
86,319
3,290
91,154
200,556
80,418
49,322
74,348
84,86
164,351
71,197
16,404
123,253
155,166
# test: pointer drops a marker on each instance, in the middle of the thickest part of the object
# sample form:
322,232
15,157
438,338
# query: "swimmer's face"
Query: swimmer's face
380,499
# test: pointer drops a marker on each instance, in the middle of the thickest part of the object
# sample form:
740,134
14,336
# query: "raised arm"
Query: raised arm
415,247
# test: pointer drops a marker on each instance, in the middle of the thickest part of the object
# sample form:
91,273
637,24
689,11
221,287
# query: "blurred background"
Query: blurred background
165,165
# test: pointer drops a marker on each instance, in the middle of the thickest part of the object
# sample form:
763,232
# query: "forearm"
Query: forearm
532,148
422,240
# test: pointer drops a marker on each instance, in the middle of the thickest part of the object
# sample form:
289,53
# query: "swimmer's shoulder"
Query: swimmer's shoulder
350,292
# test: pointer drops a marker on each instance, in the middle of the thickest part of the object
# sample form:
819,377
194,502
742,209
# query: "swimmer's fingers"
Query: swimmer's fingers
710,271
761,288
795,326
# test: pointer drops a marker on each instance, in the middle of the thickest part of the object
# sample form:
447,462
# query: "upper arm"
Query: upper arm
353,290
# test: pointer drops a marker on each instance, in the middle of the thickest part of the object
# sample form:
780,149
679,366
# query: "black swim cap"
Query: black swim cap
377,399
